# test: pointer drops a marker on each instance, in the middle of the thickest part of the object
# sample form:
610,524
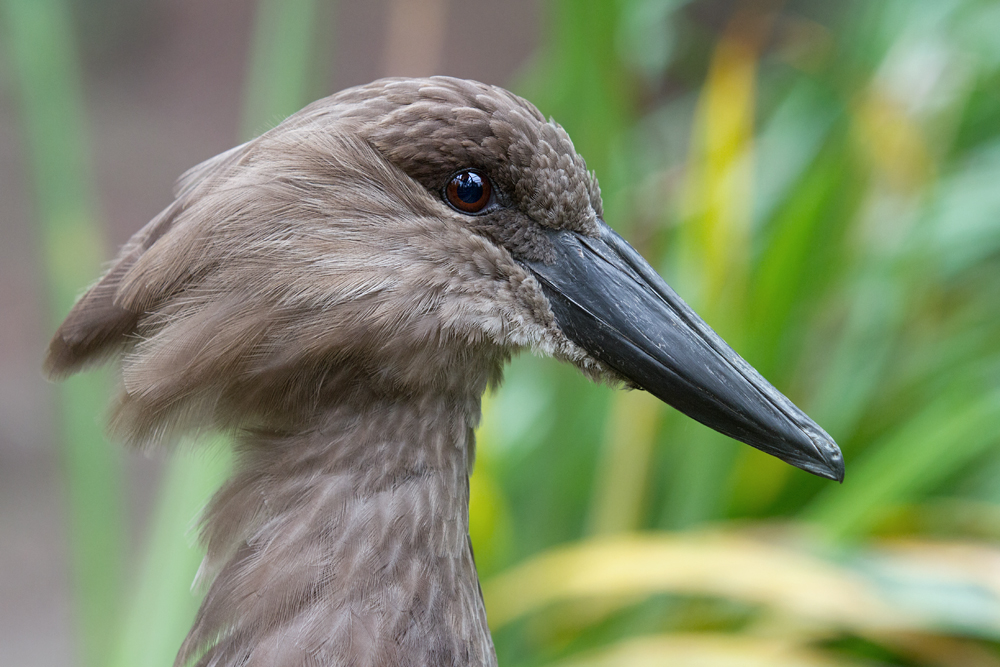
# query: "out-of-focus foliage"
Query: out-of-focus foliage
821,181
51,104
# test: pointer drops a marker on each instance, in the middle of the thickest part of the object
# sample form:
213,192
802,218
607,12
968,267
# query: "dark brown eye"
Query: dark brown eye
469,191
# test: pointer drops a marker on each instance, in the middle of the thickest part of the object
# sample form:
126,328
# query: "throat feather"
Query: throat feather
347,545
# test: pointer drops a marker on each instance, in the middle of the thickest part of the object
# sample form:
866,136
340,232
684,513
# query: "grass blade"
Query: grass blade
907,463
42,48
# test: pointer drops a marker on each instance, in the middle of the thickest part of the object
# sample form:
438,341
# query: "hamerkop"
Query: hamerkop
339,293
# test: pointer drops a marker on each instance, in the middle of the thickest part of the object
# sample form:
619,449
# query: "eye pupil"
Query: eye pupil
470,187
468,191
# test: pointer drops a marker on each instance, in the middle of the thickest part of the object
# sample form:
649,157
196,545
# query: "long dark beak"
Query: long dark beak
610,301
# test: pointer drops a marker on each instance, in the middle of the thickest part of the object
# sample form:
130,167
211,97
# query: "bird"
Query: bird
338,293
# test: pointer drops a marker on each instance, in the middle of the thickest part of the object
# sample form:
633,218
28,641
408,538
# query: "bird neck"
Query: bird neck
348,544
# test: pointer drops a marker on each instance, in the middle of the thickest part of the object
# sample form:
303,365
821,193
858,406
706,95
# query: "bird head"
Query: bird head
402,237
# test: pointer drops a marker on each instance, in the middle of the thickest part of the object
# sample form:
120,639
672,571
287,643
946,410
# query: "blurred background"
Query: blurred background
820,180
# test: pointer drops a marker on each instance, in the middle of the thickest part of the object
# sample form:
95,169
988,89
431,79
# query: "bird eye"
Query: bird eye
469,191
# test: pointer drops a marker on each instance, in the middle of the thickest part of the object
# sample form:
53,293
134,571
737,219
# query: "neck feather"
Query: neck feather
348,544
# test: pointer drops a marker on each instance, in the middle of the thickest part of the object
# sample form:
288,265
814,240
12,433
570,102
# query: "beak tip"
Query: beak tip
831,460
836,470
